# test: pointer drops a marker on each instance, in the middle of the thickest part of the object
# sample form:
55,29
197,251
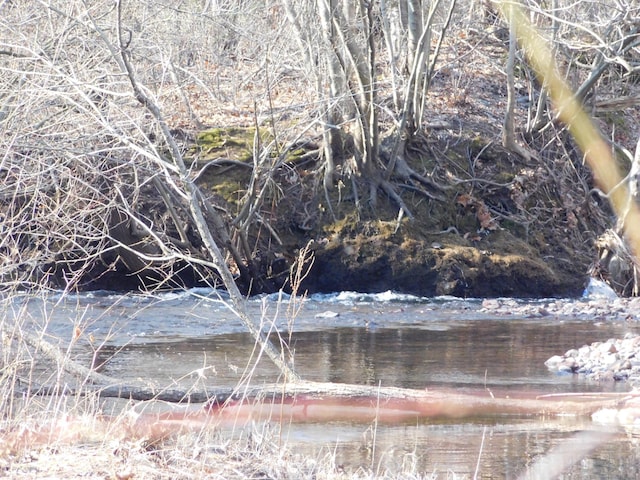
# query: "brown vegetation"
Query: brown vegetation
87,164
153,145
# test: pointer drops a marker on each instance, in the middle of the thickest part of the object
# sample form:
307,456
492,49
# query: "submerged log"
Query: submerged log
314,401
308,402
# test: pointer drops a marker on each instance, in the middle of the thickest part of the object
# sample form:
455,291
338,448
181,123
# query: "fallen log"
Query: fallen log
306,402
310,400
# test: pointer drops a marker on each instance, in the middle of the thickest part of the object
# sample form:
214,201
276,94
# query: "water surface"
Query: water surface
192,339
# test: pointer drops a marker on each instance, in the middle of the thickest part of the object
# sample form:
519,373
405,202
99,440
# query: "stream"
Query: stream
193,339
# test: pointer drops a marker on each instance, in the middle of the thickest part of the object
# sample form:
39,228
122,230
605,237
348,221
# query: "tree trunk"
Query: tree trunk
508,129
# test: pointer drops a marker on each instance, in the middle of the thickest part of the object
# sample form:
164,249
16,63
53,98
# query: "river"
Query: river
193,339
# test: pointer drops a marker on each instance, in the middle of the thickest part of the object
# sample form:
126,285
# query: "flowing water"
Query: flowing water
193,339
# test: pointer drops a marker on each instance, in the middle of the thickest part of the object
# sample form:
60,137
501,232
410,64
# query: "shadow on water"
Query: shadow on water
404,343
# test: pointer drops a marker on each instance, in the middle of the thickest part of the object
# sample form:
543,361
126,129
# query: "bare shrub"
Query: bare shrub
89,184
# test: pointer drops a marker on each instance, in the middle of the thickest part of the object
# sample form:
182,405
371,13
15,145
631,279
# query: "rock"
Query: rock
626,365
599,289
615,359
490,303
554,361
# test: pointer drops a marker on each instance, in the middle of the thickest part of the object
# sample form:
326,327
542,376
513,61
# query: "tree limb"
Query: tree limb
193,193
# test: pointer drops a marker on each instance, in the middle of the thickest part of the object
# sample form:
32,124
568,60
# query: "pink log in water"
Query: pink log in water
395,406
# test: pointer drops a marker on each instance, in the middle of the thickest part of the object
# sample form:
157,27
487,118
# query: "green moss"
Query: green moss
213,138
387,229
478,143
228,137
236,143
504,176
348,224
229,190
294,155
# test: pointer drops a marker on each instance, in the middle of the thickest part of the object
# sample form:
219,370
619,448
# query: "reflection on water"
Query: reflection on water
481,354
192,339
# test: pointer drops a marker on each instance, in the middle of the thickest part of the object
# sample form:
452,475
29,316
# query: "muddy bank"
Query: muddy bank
502,226
496,265
514,230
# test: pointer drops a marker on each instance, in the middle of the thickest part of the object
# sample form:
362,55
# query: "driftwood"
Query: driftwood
377,401
304,401
310,402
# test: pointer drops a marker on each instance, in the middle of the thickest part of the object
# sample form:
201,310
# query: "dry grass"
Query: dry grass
256,452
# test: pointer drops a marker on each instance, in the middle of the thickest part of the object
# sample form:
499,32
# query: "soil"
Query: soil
476,241
495,224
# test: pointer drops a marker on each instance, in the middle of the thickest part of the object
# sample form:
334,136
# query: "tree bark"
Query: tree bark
508,129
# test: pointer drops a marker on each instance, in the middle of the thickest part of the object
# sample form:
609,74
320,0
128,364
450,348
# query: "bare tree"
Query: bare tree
508,130
605,47
350,48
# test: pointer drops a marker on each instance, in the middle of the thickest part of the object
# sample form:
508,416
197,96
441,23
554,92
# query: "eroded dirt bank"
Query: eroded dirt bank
446,265
500,225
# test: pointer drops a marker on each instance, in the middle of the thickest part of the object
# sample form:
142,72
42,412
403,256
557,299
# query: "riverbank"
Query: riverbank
488,222
440,208
205,455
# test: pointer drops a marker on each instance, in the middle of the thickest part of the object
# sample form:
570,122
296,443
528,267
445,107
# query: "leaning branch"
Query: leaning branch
192,191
